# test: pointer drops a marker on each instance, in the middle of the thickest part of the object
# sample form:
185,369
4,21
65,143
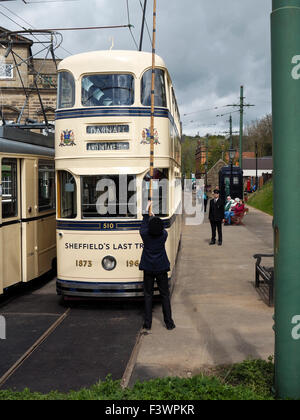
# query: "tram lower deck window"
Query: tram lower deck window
67,195
9,188
109,196
46,186
160,192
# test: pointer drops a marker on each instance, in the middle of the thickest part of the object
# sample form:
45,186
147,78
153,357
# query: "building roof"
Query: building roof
262,163
16,39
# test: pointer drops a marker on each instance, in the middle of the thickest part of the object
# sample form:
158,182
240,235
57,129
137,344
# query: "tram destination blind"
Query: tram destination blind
103,146
107,129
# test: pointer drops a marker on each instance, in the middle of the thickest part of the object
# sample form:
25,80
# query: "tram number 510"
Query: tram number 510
296,68
108,226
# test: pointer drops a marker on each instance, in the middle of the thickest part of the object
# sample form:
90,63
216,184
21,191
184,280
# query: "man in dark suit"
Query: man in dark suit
155,264
216,217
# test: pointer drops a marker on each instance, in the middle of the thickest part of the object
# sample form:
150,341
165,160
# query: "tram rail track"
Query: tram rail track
30,351
69,347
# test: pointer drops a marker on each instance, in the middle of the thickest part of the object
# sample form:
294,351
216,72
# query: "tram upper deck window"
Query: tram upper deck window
68,195
9,188
66,90
46,185
107,90
160,88
109,196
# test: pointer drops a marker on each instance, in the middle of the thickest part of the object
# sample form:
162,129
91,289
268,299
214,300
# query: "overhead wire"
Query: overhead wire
28,23
16,23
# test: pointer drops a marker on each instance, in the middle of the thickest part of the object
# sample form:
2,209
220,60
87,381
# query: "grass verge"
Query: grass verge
263,198
249,380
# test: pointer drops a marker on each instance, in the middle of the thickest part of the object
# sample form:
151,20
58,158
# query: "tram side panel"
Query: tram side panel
38,233
11,237
46,233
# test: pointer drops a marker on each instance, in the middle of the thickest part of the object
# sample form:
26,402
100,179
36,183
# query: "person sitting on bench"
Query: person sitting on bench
239,207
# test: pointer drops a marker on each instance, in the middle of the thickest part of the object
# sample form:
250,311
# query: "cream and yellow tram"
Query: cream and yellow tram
102,151
27,206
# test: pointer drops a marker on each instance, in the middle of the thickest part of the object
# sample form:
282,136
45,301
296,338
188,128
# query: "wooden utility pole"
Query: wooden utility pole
152,104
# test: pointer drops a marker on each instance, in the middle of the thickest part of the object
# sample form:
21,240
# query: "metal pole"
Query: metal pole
152,104
230,131
256,166
285,37
241,126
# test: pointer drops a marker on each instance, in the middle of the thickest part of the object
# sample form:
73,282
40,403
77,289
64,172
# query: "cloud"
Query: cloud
211,47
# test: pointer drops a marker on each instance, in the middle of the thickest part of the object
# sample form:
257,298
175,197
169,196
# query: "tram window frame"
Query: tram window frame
61,89
160,95
115,208
47,202
97,96
10,211
160,208
67,200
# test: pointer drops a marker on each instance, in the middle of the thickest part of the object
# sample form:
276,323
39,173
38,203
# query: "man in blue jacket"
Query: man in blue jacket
155,264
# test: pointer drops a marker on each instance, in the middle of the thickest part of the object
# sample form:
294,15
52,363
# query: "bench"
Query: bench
264,277
237,220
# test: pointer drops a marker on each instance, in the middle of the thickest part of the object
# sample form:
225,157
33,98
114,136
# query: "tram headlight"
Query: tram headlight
109,263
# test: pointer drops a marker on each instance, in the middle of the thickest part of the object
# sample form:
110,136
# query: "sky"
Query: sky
211,48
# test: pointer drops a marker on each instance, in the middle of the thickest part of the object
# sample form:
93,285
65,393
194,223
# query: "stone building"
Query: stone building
18,74
213,176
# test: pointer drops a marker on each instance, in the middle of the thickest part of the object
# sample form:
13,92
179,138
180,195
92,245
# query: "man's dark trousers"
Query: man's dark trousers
163,286
214,227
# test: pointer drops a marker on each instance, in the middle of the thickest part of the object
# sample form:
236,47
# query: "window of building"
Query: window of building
9,188
6,71
160,192
46,185
109,196
67,196
107,90
66,90
159,91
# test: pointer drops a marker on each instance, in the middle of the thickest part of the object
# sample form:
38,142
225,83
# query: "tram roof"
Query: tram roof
110,60
15,140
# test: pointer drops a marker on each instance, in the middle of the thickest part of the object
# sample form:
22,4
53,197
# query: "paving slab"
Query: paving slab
220,318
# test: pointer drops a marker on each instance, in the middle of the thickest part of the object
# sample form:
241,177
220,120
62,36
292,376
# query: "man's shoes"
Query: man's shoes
146,327
220,243
171,326
212,242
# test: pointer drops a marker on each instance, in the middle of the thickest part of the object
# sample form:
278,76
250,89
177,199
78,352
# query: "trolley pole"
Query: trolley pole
285,45
152,104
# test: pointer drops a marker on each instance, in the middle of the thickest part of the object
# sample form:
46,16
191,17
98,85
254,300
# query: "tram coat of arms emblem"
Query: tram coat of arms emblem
146,136
67,138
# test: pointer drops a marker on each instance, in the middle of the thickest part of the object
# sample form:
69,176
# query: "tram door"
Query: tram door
10,237
29,212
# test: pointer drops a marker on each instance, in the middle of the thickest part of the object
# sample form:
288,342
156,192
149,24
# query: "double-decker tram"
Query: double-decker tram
27,206
102,162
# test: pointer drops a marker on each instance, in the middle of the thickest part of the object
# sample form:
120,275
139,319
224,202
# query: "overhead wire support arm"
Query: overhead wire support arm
143,25
49,30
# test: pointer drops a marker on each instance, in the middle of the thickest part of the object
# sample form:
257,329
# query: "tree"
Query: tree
260,132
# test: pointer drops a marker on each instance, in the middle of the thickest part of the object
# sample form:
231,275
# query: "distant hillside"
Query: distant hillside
263,198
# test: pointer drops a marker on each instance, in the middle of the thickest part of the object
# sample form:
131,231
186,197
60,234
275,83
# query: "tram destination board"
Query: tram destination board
107,129
103,146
